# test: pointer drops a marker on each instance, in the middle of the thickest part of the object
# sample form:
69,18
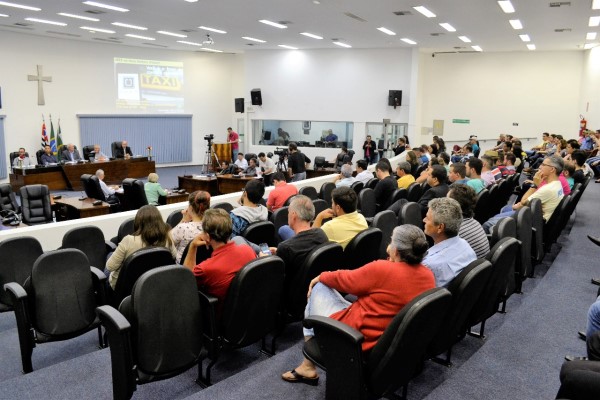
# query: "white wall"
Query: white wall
589,105
83,82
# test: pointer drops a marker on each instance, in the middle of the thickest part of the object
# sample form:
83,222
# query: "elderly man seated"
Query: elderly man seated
345,177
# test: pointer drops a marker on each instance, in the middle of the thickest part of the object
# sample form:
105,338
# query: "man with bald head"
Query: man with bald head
124,151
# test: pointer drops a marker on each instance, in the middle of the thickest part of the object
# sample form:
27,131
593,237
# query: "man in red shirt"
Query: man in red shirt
215,274
281,193
234,139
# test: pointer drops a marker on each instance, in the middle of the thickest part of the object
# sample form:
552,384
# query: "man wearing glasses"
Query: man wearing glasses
546,187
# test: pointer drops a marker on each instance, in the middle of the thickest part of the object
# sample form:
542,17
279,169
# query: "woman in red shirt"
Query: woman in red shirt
383,288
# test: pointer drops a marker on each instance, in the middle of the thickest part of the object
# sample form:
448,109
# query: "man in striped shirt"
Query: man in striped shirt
470,229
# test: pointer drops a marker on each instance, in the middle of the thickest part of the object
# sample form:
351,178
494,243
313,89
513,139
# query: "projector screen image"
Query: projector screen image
150,85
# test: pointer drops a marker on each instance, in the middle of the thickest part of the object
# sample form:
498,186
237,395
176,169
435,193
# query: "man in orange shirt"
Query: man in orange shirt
281,193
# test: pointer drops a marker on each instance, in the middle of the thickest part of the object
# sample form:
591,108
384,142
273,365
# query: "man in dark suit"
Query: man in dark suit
71,153
124,151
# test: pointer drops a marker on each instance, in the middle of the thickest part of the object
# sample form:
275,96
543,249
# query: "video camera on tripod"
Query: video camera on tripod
282,152
209,138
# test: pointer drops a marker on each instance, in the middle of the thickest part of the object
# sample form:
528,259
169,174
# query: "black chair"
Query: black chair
372,183
414,192
134,266
126,228
325,257
149,342
250,156
38,156
279,219
90,240
260,232
174,218
225,206
114,146
357,186
202,253
466,290
47,310
319,162
249,312
367,203
325,192
362,249
505,227
502,256
8,200
18,256
391,364
553,225
537,224
482,206
310,192
91,185
134,194
385,221
410,213
523,217
289,200
35,204
88,153
399,194
320,205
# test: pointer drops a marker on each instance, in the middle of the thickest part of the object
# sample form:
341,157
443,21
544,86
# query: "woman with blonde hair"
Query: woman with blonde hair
153,189
191,224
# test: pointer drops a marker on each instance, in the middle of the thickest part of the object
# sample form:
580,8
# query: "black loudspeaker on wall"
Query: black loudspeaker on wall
256,97
395,98
239,104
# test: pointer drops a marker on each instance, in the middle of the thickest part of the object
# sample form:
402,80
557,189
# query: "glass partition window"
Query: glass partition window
304,133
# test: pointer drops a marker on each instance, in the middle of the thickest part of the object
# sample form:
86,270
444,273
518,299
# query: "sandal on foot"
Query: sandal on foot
297,378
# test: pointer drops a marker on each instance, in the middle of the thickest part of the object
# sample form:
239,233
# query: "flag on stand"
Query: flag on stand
59,141
44,135
52,138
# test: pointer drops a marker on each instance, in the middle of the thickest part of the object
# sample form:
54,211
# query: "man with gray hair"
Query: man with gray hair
345,177
405,177
294,251
108,191
450,253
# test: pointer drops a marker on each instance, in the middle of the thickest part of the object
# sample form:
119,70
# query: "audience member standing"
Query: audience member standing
296,163
234,139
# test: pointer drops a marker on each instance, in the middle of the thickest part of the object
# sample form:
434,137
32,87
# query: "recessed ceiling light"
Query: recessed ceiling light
409,41
423,10
342,44
596,5
89,28
254,39
139,37
516,24
45,21
465,39
107,6
191,1
285,46
206,28
316,2
79,17
594,21
531,46
122,25
179,35
190,43
275,24
525,38
386,31
506,6
4,15
448,27
588,46
476,48
211,50
15,5
590,36
310,35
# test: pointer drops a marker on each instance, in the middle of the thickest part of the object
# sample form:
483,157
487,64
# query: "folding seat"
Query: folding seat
18,256
362,249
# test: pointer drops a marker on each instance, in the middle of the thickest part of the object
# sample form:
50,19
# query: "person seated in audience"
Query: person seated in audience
296,249
426,172
331,137
458,173
98,154
414,161
227,168
250,210
536,159
241,162
444,160
48,157
71,153
124,151
506,164
420,156
346,221
251,170
383,288
541,146
474,167
281,193
338,161
405,179
109,191
345,177
578,158
500,142
153,189
149,229
587,140
22,160
474,144
470,229
362,174
437,188
214,275
386,186
568,171
400,146
441,145
426,153
573,145
487,167
549,193
463,154
579,380
450,253
191,222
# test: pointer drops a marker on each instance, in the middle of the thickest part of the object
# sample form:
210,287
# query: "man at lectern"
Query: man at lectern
124,151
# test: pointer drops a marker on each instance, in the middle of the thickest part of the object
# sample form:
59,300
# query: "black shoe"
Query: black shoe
573,358
594,240
582,335
596,281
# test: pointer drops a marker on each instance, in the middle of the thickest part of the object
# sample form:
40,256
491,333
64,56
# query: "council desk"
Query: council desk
68,176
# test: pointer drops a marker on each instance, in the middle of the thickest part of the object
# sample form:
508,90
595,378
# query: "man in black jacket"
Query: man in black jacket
384,190
124,151
296,163
437,181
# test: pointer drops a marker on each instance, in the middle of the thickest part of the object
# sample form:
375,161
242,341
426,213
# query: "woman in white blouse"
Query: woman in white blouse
191,223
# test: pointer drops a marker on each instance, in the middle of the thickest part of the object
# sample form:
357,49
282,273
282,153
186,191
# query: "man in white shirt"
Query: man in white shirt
241,162
22,160
345,177
362,174
267,167
108,191
98,154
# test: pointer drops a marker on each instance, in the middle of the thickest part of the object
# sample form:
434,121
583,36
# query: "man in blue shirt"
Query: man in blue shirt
48,157
331,137
450,253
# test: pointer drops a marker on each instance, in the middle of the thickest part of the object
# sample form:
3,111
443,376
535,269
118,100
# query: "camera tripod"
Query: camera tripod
280,165
208,165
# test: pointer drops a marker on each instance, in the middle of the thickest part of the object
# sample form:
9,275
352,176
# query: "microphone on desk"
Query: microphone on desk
83,196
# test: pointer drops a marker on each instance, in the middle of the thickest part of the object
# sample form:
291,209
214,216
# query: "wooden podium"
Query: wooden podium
223,153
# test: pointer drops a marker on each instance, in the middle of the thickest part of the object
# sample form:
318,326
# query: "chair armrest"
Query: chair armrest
18,296
326,324
110,245
208,307
99,279
15,291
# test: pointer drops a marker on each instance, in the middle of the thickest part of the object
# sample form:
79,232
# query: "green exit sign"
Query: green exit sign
461,121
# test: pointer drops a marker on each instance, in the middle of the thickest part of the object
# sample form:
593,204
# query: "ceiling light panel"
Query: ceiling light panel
590,36
271,23
386,31
167,33
4,15
311,35
207,28
426,12
45,21
525,38
211,50
594,21
596,5
531,46
21,6
122,25
139,37
91,29
189,43
107,6
448,27
506,6
516,24
285,46
79,17
409,41
465,39
254,39
588,46
342,44
476,48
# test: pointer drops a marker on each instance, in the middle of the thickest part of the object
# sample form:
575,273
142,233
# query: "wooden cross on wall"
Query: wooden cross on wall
40,78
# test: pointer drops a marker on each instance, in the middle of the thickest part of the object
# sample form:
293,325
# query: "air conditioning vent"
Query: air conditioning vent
22,24
399,13
95,12
63,33
560,30
107,40
356,17
560,3
188,30
436,34
17,26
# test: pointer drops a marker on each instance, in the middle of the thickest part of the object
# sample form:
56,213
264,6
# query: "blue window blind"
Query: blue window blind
169,135
3,170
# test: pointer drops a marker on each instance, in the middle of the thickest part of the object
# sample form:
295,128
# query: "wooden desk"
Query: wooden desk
173,198
76,208
191,184
311,173
229,184
52,176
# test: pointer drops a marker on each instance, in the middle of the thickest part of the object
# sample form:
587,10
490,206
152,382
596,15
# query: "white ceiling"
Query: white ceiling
481,20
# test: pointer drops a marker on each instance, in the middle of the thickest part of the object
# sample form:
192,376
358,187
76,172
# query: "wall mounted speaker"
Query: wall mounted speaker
395,98
256,97
239,104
